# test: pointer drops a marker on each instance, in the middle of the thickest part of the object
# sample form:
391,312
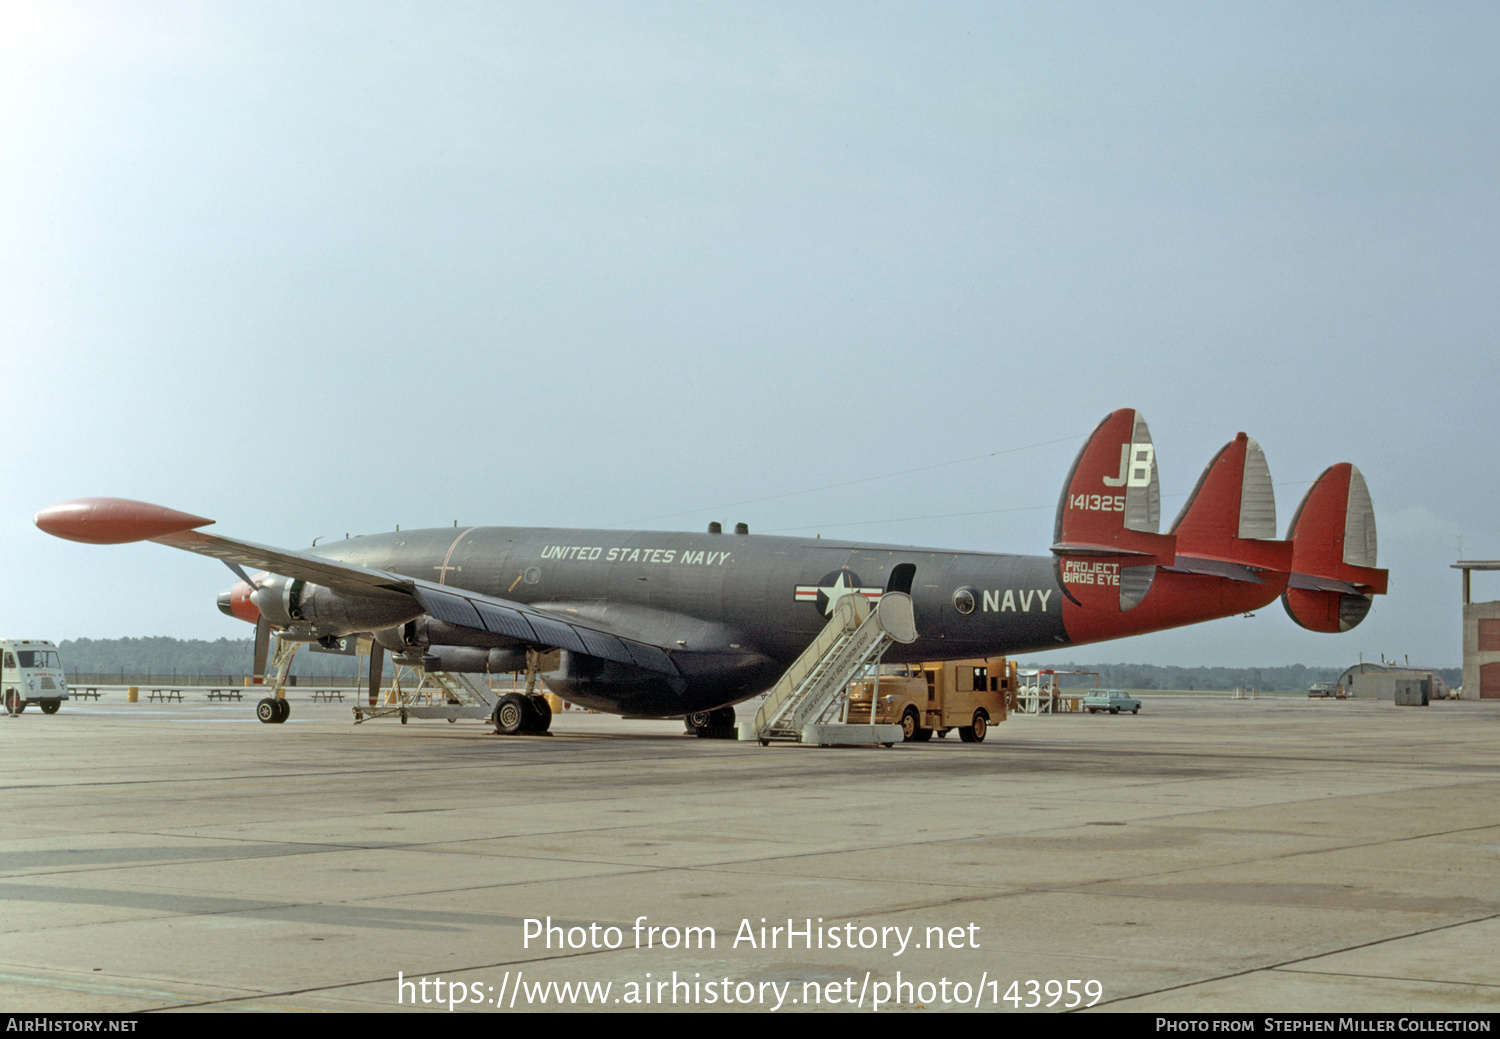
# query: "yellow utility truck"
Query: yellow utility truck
967,695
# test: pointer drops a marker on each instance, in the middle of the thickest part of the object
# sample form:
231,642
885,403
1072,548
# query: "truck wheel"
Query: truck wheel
911,726
975,733
1114,710
1136,710
50,706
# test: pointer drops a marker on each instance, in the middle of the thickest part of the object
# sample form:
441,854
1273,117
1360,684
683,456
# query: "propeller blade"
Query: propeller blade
377,665
262,647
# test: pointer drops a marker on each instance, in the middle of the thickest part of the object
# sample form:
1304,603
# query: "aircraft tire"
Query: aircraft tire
267,711
721,724
50,706
283,710
511,715
717,724
541,714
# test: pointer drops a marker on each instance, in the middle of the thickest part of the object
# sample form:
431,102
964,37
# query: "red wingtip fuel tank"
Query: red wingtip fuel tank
114,521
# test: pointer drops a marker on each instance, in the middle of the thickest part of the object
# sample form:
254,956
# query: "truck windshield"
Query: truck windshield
37,658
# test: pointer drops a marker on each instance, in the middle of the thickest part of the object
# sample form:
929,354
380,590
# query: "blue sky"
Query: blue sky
315,269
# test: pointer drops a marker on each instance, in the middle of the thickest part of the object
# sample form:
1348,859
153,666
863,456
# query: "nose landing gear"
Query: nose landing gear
273,710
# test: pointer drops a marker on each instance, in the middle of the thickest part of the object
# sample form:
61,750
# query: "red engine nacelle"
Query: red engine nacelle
237,603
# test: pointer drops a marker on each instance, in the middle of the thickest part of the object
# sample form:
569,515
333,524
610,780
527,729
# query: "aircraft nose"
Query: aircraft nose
236,602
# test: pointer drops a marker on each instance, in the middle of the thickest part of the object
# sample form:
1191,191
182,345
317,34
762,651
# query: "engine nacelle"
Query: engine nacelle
473,660
294,604
424,631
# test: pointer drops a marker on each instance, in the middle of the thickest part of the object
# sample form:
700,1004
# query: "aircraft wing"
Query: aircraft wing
316,569
454,606
115,521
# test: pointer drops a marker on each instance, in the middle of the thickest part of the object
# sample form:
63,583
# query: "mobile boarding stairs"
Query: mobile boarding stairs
810,704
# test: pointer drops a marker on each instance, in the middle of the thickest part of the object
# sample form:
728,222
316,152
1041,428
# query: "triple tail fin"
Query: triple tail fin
1334,577
1106,539
1228,526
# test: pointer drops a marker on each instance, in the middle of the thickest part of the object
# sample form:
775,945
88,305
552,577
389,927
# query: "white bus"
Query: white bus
31,673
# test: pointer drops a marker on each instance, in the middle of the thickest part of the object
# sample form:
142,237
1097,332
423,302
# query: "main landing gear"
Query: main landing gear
717,724
517,715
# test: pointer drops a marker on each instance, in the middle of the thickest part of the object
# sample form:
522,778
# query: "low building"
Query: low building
1392,682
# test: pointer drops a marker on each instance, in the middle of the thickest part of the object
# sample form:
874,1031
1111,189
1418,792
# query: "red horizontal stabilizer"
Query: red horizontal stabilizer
1334,578
1230,518
1106,537
114,521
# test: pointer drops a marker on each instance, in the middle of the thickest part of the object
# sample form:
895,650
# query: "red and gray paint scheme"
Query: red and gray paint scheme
664,624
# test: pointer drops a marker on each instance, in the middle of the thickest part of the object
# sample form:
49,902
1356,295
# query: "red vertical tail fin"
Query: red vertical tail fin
1228,526
1334,578
1106,539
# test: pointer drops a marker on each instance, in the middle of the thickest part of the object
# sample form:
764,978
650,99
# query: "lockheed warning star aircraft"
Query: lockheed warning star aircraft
663,624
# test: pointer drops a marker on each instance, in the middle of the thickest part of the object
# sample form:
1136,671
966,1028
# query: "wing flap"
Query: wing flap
451,609
528,624
502,620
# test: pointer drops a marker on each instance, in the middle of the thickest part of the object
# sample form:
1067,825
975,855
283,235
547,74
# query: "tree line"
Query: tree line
1291,678
161,655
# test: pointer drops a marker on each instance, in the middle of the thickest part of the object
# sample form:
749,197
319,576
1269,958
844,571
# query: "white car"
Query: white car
1112,700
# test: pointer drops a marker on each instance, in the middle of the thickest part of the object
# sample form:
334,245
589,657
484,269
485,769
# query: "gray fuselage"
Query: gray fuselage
733,611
